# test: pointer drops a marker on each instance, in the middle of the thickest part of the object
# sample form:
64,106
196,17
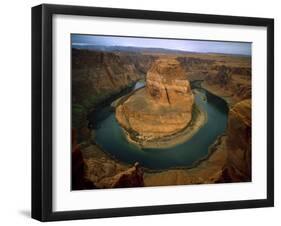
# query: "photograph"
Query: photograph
141,112
153,111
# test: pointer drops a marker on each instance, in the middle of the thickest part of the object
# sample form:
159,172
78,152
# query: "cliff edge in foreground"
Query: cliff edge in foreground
239,132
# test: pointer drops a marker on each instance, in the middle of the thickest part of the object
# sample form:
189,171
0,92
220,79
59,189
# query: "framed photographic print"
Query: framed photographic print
146,112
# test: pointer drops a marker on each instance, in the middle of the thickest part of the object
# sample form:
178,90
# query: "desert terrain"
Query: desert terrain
99,78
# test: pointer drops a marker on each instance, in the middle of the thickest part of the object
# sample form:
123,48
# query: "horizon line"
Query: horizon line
141,47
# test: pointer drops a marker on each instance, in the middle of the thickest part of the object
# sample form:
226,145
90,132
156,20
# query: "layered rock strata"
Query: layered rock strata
231,83
163,107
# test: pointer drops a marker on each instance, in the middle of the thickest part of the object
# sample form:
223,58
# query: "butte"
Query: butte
160,109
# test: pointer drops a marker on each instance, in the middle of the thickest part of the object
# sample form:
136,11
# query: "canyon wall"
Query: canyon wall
96,76
230,80
239,143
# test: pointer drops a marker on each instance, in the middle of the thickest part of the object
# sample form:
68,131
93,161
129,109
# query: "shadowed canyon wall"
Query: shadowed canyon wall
238,143
97,76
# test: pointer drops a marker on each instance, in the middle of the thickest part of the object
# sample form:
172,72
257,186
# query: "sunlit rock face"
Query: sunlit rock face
163,107
167,84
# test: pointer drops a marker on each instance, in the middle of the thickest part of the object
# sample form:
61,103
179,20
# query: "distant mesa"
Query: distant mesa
162,108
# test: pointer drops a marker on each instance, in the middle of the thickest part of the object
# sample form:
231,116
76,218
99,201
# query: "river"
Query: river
111,138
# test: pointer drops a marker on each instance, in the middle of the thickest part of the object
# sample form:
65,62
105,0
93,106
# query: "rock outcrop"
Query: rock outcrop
132,177
162,108
78,166
105,172
238,143
166,83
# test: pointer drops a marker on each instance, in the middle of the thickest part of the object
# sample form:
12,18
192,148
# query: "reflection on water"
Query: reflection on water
111,138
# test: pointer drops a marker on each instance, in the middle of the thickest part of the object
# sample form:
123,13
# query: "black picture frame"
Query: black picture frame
42,107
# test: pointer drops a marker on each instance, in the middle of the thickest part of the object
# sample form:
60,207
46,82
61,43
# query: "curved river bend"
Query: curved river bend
111,138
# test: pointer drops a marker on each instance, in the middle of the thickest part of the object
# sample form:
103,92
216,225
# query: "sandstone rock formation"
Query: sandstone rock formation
163,108
156,112
105,172
167,84
132,177
231,82
97,75
238,143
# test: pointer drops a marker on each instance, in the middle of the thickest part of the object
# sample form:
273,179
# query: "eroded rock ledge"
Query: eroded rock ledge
163,107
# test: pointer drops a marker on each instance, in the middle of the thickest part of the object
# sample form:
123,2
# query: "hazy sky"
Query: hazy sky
186,45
